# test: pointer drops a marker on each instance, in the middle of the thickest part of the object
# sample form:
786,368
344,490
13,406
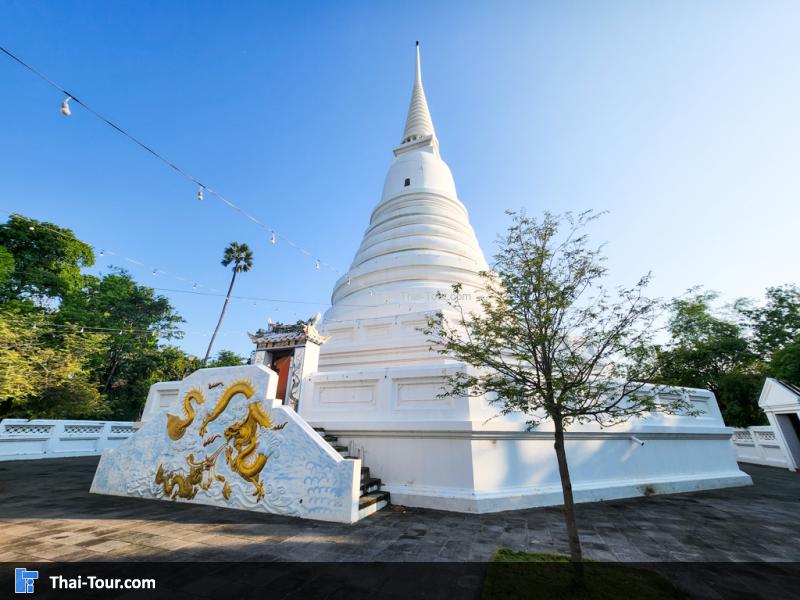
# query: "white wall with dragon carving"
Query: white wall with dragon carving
226,442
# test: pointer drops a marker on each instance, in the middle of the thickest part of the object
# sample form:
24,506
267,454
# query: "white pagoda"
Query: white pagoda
328,424
419,242
378,385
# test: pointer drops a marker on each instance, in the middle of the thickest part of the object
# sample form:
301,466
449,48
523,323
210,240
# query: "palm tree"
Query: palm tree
242,259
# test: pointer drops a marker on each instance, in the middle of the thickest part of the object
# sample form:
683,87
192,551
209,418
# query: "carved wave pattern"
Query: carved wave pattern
299,477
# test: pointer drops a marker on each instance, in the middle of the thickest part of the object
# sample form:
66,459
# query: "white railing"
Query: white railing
47,438
760,446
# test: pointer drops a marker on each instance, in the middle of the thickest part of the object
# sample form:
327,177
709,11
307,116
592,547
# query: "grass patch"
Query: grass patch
536,575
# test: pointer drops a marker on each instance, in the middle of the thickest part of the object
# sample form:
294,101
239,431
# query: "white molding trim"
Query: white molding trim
529,435
517,498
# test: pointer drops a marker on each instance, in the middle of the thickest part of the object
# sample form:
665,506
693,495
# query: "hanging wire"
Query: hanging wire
103,251
201,186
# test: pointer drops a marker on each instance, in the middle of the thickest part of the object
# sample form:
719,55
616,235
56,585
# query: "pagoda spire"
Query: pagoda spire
418,122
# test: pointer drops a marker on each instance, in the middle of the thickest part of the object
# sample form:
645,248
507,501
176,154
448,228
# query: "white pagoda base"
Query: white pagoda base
455,454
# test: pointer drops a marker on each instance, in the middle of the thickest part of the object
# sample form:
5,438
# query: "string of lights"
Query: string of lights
79,328
212,291
103,252
202,188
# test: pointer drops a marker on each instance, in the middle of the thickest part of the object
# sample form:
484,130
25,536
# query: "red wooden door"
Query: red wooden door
281,367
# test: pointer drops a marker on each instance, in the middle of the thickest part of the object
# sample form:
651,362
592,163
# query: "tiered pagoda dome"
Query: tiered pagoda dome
419,240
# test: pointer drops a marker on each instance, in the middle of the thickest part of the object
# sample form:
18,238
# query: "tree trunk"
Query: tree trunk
221,316
575,554
111,370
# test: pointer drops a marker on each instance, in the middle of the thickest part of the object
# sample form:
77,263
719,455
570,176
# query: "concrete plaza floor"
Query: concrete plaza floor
48,514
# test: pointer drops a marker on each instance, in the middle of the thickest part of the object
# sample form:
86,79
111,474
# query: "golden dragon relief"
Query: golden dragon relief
240,446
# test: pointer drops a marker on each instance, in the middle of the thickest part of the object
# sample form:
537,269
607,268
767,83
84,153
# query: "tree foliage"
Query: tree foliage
731,352
227,358
549,339
238,255
47,260
786,363
74,345
135,319
241,257
6,266
45,370
706,346
776,323
550,342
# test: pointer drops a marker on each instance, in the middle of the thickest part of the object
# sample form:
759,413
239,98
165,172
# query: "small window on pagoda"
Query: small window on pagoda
408,182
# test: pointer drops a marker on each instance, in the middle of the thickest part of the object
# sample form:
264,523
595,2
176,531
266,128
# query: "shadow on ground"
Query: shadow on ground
47,514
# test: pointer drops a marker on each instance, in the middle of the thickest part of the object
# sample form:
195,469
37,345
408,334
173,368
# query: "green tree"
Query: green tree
173,365
712,352
775,324
6,266
738,395
549,342
241,257
75,345
47,260
135,318
786,363
45,370
227,358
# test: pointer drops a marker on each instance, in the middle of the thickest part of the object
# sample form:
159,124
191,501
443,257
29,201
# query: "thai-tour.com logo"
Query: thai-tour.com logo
24,582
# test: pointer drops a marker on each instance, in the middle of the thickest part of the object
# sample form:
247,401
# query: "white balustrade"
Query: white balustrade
759,445
22,439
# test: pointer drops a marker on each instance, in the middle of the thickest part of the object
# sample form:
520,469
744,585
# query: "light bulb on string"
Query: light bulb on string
65,110
272,238
316,264
194,286
102,252
349,281
154,271
200,194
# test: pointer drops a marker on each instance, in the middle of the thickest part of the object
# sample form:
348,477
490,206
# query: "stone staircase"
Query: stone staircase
372,498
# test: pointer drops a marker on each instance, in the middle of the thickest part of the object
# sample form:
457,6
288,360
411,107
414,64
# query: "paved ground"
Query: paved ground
47,513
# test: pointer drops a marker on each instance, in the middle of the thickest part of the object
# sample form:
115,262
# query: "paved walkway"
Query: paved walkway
47,514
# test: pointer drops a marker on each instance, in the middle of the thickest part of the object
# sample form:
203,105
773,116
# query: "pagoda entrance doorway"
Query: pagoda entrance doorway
281,365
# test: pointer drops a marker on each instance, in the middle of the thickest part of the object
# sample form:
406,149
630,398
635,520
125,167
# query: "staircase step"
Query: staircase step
370,499
373,484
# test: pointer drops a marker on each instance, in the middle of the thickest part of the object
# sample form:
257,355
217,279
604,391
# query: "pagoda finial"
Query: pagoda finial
418,122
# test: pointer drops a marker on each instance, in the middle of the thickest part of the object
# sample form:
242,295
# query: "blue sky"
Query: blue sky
681,119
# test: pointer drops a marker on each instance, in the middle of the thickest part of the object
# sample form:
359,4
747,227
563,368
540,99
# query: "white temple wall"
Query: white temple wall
759,445
457,454
496,473
161,395
226,441
23,439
